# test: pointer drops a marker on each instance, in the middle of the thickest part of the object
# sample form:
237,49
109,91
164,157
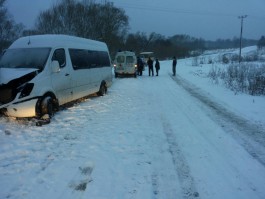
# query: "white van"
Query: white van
125,63
39,73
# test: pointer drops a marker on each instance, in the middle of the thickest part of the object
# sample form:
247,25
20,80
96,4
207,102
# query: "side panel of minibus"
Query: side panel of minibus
85,82
88,72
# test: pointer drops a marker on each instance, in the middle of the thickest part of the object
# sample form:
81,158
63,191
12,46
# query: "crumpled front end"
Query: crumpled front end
7,94
16,99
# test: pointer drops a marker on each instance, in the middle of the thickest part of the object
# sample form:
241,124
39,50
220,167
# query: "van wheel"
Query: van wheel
102,90
47,107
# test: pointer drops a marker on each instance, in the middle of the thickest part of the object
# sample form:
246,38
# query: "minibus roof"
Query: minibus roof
51,41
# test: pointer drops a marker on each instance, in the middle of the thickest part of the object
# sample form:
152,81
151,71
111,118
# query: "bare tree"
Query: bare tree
9,30
85,19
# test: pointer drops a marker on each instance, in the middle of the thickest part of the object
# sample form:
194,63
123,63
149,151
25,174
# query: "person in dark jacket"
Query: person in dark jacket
140,66
174,64
150,66
157,66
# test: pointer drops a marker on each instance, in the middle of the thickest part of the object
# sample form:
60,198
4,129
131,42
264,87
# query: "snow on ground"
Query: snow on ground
151,137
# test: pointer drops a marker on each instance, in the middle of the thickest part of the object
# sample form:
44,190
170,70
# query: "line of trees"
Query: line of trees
229,43
109,24
178,45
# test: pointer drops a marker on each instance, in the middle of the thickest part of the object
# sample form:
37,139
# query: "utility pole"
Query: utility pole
242,18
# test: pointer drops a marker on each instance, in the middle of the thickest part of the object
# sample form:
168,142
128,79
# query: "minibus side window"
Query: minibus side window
87,59
92,59
79,58
99,59
104,59
59,55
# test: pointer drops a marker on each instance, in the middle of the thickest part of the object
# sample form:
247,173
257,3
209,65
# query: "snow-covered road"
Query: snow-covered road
147,138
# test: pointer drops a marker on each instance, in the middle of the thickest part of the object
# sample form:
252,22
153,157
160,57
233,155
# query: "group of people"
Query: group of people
150,63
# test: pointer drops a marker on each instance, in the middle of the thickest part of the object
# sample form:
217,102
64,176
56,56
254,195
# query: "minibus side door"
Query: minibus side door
61,80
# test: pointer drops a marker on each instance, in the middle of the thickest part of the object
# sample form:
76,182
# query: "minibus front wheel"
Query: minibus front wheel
47,105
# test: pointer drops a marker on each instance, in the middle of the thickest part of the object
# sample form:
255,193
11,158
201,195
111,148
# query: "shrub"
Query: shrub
210,61
256,81
215,74
225,59
248,78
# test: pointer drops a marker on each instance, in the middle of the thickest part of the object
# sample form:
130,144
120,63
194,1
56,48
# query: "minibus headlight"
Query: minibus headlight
26,90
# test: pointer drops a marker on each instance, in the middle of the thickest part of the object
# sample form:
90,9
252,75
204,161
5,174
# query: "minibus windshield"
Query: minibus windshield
25,58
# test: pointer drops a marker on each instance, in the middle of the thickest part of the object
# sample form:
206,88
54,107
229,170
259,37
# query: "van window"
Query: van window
120,59
85,59
129,59
104,58
59,55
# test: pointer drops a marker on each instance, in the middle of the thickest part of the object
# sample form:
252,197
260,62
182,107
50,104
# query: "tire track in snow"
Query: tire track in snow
243,131
187,183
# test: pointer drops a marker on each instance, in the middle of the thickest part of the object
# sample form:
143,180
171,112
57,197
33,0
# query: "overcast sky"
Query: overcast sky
208,19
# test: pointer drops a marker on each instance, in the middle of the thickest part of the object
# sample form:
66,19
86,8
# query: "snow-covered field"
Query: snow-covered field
151,137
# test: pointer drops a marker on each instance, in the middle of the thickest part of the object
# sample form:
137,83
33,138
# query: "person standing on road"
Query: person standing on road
150,66
174,64
140,66
157,66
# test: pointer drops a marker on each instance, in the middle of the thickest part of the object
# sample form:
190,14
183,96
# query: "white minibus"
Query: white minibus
39,73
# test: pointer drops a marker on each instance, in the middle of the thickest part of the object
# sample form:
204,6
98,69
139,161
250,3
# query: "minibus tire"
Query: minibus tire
47,106
102,90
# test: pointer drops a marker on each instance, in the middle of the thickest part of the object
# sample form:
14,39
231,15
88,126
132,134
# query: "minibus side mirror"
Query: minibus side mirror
55,66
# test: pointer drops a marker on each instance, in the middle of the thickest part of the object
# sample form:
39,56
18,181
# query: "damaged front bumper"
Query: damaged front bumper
26,108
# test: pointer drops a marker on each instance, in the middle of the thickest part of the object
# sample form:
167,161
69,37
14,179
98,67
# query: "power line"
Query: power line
177,11
181,11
